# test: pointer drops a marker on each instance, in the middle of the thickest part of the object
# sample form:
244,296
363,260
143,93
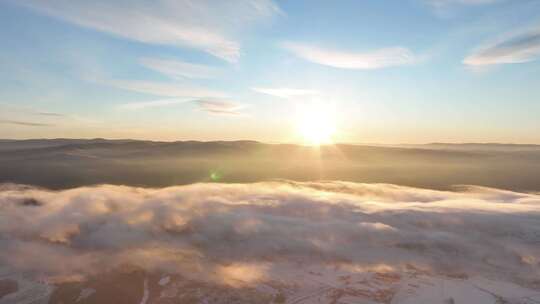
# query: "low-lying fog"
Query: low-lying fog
200,230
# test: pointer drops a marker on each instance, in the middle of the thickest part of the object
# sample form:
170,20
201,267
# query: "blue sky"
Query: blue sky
410,71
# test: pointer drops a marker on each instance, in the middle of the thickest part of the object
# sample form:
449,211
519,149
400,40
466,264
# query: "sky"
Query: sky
373,71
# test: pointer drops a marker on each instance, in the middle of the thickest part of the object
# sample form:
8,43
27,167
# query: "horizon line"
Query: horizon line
266,142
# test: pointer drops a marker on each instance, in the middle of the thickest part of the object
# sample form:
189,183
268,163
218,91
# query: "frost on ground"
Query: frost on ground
281,242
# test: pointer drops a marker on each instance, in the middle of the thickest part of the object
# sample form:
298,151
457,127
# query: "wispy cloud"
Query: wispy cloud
381,58
443,3
23,114
212,106
514,48
220,107
5,107
25,123
447,8
204,24
285,92
165,89
179,69
51,114
150,104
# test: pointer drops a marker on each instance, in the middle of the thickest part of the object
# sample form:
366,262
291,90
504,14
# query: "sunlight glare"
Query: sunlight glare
316,125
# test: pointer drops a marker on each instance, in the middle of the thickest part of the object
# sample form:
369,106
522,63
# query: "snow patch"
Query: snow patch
85,293
164,281
146,293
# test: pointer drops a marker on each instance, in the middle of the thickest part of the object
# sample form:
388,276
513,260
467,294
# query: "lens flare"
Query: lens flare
215,176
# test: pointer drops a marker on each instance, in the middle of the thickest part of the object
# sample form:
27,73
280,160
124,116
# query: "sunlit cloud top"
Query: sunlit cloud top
239,233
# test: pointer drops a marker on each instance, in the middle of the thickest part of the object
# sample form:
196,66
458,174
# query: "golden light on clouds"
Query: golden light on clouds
241,274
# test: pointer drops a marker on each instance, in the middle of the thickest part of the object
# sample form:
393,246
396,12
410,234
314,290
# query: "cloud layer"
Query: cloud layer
517,48
204,25
202,228
381,58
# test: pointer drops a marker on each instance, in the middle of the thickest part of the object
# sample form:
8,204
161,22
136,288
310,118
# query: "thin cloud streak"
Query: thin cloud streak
150,104
51,114
514,48
443,3
204,25
179,69
285,92
165,89
25,123
381,58
22,114
29,110
219,107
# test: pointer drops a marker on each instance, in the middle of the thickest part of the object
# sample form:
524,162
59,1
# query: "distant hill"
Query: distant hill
64,163
481,146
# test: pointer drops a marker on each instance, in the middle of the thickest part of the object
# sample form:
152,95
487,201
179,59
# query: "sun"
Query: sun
316,125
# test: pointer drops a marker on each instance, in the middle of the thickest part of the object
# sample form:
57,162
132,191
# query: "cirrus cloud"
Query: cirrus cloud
178,68
219,107
204,25
440,3
25,123
514,48
151,104
381,58
167,89
285,92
